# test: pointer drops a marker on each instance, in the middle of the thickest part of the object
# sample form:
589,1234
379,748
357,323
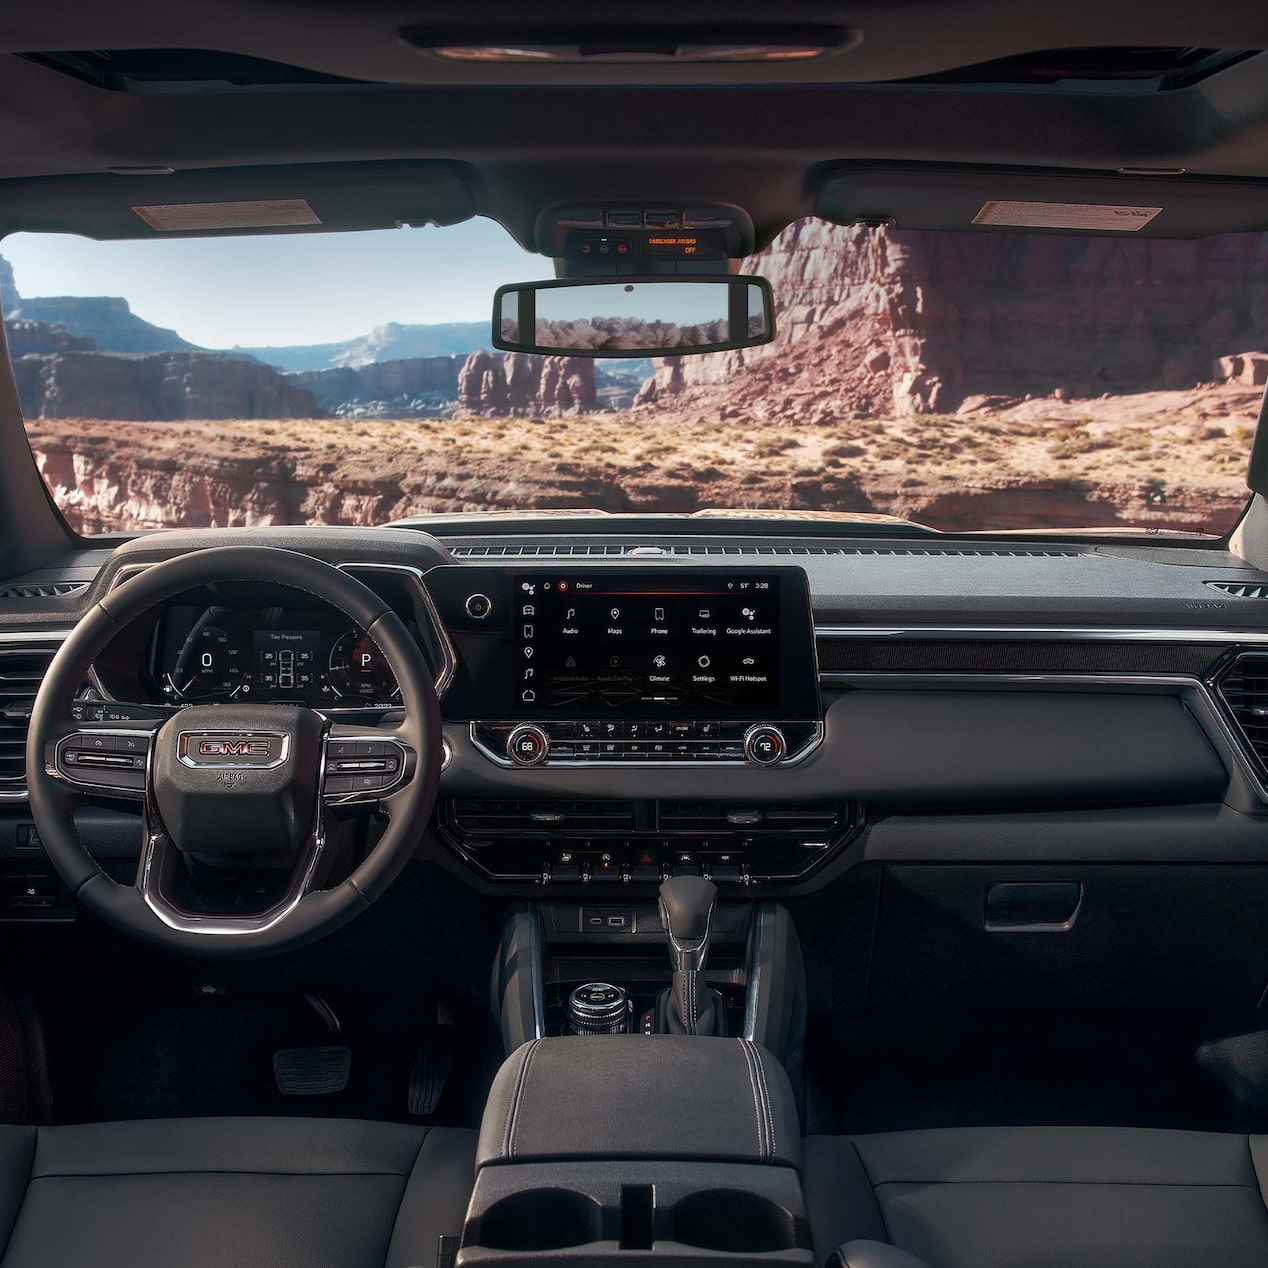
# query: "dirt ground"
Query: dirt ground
1162,459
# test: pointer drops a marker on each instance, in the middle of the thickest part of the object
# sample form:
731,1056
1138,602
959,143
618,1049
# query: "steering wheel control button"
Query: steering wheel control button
765,746
528,746
106,763
478,606
362,767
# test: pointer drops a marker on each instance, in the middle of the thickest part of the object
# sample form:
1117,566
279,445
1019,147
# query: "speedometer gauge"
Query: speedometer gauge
209,666
360,671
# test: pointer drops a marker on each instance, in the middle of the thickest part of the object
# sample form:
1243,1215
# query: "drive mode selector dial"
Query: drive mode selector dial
765,745
527,746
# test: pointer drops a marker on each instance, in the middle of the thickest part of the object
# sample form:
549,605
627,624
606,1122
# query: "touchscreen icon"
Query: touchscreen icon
528,653
616,614
528,631
529,696
529,610
658,661
704,662
571,615
659,614
748,660
705,614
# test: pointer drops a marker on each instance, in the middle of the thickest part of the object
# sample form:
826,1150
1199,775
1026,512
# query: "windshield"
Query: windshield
964,381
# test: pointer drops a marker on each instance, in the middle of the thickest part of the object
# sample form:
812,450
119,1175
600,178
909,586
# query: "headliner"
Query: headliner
426,139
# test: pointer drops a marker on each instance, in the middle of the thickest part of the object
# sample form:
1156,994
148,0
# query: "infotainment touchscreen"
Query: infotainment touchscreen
638,644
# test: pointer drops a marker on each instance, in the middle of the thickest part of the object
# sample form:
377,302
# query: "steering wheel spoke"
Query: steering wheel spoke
364,764
102,758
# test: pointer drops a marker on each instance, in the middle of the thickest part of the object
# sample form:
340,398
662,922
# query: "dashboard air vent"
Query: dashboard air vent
498,817
1241,589
54,590
715,817
1244,689
584,551
21,672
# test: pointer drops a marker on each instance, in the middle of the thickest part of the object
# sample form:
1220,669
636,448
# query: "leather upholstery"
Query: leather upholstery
873,1255
1061,1197
255,1193
640,1096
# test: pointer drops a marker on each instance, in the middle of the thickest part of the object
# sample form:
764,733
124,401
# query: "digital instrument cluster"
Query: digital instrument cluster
293,655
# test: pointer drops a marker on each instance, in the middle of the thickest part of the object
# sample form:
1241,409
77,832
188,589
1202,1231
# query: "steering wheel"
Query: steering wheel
233,785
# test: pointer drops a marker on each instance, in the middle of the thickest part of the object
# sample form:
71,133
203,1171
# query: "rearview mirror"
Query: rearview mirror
633,317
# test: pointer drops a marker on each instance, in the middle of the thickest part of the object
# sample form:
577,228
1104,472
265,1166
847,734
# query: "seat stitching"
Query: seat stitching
1126,1184
514,1101
770,1116
757,1113
874,1185
409,1175
219,1171
519,1096
30,1177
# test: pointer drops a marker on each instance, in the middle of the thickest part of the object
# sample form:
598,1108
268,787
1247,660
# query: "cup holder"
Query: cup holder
734,1221
541,1219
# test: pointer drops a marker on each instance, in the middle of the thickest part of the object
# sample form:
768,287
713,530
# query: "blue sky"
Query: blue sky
300,288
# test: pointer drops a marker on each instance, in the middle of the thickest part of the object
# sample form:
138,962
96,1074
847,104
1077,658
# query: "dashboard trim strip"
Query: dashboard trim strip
587,764
1044,633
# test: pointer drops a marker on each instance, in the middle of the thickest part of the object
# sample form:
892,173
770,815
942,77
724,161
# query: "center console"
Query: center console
624,1149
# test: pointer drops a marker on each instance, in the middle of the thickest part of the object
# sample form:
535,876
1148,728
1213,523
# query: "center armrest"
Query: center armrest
640,1096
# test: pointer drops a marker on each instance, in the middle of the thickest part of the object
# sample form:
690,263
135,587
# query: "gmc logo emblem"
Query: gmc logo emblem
216,748
234,748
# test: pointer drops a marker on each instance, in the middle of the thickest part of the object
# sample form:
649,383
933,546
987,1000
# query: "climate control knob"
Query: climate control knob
527,746
765,745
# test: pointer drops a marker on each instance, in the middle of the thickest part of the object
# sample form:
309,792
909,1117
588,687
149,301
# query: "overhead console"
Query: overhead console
586,666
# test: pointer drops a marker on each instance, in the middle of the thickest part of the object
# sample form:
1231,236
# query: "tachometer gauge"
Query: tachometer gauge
358,670
209,666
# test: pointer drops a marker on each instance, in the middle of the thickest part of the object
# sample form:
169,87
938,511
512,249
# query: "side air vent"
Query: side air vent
55,590
499,818
1241,589
709,818
1243,686
522,551
21,672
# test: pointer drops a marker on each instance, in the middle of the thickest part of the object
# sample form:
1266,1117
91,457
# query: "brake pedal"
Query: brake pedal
312,1071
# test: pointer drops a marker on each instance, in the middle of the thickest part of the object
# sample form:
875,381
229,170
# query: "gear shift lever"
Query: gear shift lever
687,904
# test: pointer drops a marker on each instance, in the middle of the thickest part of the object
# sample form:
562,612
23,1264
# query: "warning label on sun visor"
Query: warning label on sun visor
1065,216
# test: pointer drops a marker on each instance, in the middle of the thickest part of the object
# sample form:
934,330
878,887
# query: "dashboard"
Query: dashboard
762,710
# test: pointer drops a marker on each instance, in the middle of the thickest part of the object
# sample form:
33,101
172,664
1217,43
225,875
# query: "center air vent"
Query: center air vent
1244,689
21,672
499,818
710,818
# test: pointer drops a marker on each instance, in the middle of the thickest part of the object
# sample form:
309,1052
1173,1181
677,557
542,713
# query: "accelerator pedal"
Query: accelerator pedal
312,1071
432,1067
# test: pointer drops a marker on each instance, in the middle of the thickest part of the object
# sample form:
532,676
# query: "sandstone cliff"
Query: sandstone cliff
412,388
161,386
510,383
887,321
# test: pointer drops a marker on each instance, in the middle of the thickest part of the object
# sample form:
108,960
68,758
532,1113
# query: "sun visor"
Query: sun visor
1025,200
313,198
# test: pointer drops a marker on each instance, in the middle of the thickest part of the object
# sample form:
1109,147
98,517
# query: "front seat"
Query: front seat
240,1192
1040,1197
